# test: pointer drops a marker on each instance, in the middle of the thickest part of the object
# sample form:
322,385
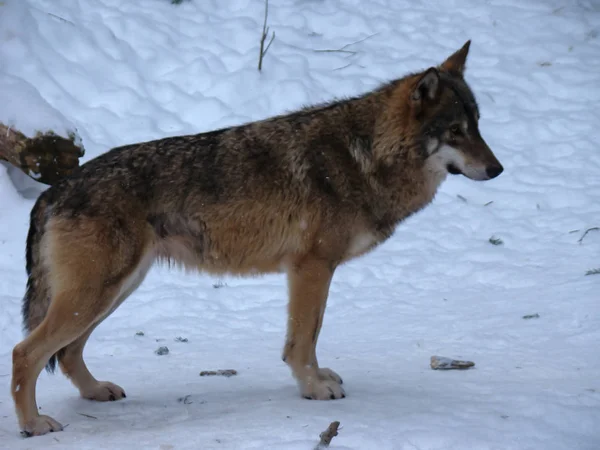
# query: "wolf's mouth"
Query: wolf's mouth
452,169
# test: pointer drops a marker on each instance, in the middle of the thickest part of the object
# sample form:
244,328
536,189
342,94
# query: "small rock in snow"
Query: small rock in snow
162,351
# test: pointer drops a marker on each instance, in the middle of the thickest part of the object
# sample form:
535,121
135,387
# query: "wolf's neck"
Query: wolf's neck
391,158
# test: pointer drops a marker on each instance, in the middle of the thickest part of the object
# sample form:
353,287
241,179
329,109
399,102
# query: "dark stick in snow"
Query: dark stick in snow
327,435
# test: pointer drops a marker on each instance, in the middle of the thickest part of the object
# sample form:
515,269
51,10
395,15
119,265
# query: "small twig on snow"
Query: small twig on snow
586,232
327,435
343,67
338,50
342,49
87,415
263,37
221,373
60,18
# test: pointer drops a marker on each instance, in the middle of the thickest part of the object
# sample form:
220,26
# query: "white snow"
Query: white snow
121,72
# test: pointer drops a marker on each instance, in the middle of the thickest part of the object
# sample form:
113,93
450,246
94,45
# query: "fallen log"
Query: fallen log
45,157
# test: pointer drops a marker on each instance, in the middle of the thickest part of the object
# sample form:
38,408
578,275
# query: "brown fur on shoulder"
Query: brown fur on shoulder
299,193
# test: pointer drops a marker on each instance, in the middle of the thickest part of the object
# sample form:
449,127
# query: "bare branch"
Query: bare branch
263,37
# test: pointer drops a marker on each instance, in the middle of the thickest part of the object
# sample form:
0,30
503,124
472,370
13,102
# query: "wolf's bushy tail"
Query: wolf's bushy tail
37,295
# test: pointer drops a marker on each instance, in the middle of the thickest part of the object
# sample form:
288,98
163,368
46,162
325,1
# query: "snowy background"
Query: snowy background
120,72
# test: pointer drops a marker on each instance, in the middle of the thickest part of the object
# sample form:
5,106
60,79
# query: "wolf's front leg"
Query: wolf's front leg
308,283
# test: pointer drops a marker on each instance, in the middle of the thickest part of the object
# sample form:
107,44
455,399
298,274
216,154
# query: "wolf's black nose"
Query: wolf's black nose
494,171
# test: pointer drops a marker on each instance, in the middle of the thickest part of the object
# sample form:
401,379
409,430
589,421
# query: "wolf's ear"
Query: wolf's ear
428,86
456,62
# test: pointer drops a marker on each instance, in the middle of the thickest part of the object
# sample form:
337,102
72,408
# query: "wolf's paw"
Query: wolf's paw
328,374
40,425
104,391
323,389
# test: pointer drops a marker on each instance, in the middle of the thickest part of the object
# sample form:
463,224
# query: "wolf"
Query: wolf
299,193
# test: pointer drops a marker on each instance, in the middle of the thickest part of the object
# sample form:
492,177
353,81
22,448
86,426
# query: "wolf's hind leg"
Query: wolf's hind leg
70,314
73,366
309,281
92,265
71,357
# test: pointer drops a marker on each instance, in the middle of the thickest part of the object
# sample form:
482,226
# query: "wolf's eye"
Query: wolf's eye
455,130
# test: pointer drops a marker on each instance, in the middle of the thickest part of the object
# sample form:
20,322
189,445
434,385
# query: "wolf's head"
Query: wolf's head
444,110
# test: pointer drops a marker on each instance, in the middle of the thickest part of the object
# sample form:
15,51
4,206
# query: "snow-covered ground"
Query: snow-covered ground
121,72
